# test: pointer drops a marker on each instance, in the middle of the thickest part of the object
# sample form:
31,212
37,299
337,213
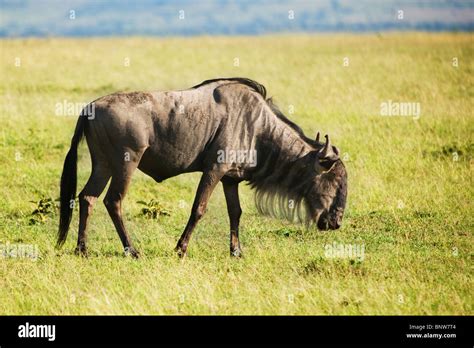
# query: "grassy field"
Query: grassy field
410,180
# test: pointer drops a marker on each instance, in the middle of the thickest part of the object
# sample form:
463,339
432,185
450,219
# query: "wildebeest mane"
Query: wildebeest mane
260,89
293,125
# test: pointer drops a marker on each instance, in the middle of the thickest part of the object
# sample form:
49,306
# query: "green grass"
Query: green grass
409,205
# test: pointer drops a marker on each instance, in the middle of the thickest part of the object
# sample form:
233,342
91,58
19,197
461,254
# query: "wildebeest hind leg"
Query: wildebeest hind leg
95,185
121,177
208,182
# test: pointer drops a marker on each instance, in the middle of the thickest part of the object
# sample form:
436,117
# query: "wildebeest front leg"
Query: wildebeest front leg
208,182
231,192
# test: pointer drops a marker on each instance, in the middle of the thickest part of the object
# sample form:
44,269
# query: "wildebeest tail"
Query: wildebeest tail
69,183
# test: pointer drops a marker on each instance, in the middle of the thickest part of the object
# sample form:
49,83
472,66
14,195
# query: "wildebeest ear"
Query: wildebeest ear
317,137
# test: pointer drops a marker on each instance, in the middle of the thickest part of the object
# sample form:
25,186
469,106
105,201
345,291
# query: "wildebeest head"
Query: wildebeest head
326,198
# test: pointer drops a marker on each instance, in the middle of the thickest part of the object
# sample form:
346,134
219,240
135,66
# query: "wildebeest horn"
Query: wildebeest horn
317,137
327,147
327,152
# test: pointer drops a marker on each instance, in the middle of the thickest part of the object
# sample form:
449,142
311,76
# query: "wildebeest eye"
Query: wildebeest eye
327,164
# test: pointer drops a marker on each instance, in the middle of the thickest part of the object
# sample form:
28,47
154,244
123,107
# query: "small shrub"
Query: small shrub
45,207
153,209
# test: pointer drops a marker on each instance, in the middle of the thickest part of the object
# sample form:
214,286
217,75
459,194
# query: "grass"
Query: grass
410,185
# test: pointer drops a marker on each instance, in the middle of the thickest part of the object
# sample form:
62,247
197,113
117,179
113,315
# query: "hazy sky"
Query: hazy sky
224,17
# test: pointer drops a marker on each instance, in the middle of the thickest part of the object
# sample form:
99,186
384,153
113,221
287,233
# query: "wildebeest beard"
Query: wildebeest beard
281,191
282,202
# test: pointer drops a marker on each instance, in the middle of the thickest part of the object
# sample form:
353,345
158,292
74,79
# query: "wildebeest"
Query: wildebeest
224,128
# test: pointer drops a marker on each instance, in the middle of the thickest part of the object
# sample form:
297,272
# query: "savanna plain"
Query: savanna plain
410,180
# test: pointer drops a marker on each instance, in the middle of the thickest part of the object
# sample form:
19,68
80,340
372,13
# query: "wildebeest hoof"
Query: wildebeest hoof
181,252
81,251
236,253
130,251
